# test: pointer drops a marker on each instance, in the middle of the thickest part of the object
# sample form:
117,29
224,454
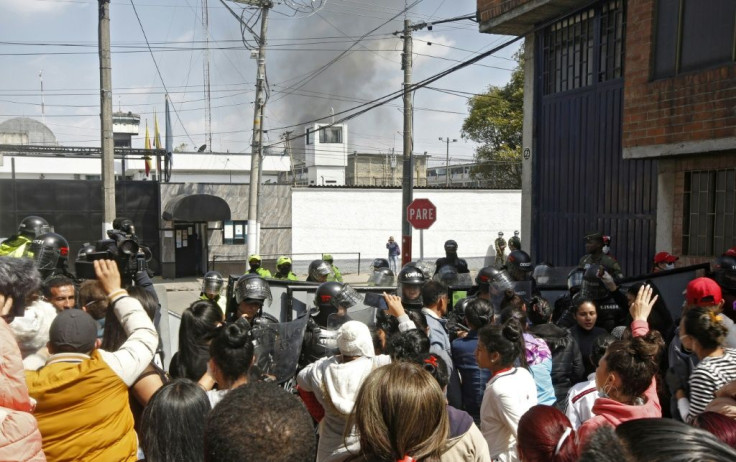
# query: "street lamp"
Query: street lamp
447,160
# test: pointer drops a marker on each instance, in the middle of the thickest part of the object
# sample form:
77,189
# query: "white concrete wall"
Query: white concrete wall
361,220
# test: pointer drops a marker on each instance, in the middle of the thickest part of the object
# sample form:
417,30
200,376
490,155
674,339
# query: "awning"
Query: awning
197,207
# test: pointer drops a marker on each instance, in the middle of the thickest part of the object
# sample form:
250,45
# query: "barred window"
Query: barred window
709,218
585,48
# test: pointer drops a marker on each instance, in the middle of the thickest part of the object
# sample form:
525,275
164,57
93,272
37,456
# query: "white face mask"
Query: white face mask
669,266
606,249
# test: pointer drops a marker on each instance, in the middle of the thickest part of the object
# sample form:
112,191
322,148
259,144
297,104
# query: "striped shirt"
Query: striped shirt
710,374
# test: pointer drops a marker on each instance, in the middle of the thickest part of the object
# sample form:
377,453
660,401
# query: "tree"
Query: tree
495,121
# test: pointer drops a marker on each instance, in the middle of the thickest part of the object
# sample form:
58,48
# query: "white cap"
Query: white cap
354,339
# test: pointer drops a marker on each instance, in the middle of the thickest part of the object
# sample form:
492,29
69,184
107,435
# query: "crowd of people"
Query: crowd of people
605,372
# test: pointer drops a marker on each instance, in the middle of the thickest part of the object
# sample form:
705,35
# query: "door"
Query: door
188,252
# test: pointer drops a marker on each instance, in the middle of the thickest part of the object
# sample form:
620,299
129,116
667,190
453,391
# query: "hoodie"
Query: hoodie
335,384
611,412
567,362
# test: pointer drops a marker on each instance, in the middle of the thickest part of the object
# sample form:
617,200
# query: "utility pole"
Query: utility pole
287,146
107,148
206,70
257,147
447,160
407,185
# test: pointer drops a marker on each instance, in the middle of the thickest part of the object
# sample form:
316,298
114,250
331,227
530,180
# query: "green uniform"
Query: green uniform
220,300
290,277
262,272
609,264
15,246
336,275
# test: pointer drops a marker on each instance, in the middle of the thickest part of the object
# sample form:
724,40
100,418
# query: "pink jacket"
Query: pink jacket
610,412
20,439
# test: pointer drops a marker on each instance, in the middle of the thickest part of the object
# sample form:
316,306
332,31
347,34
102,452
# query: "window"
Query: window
235,232
709,217
692,35
330,135
584,48
310,136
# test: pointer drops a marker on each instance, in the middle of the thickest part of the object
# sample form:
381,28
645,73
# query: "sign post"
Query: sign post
422,214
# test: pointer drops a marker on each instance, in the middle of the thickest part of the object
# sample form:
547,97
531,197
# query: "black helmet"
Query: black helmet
519,265
425,267
724,272
333,295
381,277
592,287
319,270
411,279
252,287
48,251
543,273
492,277
575,279
86,248
379,263
212,283
451,246
515,243
33,226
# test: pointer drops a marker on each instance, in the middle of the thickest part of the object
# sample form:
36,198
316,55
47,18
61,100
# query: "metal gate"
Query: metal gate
581,182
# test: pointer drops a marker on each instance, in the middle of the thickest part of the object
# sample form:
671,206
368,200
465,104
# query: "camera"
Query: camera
122,246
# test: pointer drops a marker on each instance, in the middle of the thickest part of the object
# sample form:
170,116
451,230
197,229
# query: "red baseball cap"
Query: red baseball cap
703,292
665,257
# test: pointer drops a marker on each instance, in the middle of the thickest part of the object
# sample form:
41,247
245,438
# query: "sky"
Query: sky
58,38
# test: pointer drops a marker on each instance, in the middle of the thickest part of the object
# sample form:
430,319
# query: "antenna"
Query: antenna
43,106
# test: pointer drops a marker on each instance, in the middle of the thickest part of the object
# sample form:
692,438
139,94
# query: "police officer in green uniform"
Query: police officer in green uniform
212,284
17,245
594,256
283,269
254,261
336,275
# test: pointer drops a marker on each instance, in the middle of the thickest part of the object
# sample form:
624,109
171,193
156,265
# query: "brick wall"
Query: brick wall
692,107
489,9
682,165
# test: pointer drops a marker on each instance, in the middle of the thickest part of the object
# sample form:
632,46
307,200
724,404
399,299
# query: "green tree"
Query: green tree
495,121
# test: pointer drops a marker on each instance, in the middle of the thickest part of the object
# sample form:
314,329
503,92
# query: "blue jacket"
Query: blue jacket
473,378
439,343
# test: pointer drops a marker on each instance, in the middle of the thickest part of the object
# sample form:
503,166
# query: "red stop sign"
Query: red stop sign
421,213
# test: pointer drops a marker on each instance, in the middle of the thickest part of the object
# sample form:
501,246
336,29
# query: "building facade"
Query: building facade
629,125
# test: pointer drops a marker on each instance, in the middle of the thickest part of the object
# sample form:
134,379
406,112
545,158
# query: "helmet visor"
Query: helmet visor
255,289
347,297
44,257
212,286
501,282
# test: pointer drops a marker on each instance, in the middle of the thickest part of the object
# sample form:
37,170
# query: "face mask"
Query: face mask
669,266
606,249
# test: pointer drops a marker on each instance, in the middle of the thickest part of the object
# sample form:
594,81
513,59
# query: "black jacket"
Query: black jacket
567,362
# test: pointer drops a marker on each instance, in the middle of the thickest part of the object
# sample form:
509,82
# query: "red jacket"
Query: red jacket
20,439
610,412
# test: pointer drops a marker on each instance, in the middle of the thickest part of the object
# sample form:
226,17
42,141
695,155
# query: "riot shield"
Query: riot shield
521,288
277,348
359,312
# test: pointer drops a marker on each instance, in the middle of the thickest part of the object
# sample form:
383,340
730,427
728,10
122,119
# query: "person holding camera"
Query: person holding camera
19,435
82,391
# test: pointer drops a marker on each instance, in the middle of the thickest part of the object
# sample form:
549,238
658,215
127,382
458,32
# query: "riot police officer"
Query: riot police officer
611,304
254,261
252,293
30,228
519,266
594,256
409,287
212,284
283,269
562,316
381,274
515,242
318,271
336,274
451,259
50,253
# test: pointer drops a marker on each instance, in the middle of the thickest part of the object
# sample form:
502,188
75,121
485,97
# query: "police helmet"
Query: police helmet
409,284
724,272
490,277
592,287
319,270
251,287
328,258
542,273
519,265
86,248
381,277
283,264
379,263
450,246
33,226
48,251
212,283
